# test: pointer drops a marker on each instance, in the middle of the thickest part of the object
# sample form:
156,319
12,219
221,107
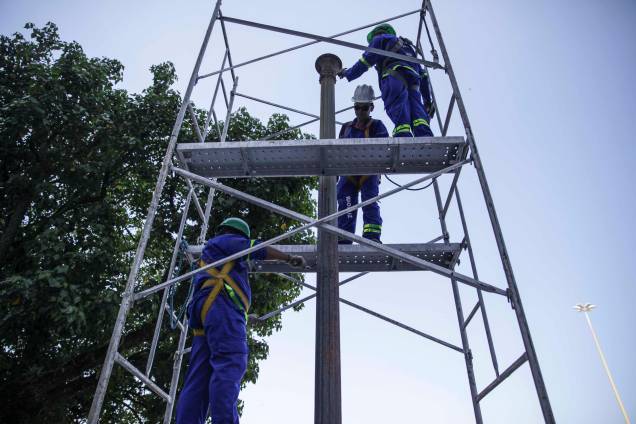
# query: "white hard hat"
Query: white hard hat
363,94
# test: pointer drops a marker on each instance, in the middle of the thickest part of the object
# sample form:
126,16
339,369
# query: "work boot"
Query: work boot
373,237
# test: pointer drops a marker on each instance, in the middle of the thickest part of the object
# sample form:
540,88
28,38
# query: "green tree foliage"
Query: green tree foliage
79,159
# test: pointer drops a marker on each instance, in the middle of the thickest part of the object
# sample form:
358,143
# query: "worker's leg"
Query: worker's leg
225,385
420,121
192,407
371,213
227,339
347,195
396,105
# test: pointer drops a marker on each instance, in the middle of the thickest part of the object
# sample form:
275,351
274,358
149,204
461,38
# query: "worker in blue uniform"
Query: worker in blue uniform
363,126
218,316
402,83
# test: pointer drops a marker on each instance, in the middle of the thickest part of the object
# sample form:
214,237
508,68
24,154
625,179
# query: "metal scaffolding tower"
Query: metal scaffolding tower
434,157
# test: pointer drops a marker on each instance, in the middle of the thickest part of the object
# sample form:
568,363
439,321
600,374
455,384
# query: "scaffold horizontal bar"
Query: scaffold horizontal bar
363,309
411,59
278,158
304,299
310,222
402,326
311,121
141,376
497,381
300,46
358,258
291,109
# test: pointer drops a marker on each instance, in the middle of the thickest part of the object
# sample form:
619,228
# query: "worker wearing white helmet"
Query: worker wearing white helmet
349,187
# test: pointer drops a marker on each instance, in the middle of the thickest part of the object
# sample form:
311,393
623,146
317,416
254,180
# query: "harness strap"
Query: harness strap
397,74
359,180
394,49
221,280
224,275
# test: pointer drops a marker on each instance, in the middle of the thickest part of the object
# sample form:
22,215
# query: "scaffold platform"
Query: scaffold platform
287,158
358,258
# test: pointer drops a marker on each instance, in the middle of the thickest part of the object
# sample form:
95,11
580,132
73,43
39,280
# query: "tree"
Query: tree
79,158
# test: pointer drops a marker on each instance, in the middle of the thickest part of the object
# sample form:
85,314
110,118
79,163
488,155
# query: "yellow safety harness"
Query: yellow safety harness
221,280
359,180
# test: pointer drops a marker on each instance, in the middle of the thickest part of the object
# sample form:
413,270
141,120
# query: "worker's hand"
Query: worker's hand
342,73
430,109
297,262
252,320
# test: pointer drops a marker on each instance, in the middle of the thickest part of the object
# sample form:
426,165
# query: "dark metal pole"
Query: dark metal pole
327,408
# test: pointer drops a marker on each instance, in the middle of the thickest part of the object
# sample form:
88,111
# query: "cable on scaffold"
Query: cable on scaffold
175,315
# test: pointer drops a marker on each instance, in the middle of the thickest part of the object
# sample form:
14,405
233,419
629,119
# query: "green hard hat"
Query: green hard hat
237,224
380,29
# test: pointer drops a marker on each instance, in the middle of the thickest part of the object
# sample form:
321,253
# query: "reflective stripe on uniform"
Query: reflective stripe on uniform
372,228
420,121
396,67
251,245
364,62
402,128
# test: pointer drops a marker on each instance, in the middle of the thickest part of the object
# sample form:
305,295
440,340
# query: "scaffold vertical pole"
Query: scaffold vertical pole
327,408
127,296
513,289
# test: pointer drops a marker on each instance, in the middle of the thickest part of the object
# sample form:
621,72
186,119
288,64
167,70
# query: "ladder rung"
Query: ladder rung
145,379
512,368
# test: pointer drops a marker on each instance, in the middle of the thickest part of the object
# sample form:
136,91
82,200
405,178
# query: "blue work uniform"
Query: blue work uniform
402,84
218,359
367,185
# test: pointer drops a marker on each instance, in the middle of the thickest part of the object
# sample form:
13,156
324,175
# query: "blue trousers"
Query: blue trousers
218,361
404,106
348,189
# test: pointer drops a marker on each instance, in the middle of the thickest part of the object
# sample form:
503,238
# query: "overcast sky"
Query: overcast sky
549,89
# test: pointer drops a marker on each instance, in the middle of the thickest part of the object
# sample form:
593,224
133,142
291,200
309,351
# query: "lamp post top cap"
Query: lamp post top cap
328,63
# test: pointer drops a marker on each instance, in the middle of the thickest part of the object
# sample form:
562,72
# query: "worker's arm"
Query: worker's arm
271,253
275,254
367,60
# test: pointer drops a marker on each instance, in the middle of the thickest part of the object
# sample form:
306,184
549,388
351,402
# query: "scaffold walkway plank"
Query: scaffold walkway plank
285,158
358,258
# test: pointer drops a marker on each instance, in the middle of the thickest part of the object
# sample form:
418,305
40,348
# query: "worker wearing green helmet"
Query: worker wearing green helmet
380,29
218,314
403,83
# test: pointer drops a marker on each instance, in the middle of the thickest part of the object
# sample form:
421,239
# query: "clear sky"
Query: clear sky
549,90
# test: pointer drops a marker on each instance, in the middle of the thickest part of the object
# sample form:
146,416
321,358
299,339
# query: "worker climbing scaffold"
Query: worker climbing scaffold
403,84
218,317
363,126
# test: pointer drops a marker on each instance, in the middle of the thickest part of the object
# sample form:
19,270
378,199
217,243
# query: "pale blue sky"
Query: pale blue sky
549,90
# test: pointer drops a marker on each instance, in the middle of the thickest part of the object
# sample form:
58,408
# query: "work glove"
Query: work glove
297,262
342,73
430,109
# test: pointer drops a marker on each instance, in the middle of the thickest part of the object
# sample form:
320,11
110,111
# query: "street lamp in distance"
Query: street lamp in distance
585,308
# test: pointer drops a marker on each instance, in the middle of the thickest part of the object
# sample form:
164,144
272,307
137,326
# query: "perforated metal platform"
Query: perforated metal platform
358,258
322,157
